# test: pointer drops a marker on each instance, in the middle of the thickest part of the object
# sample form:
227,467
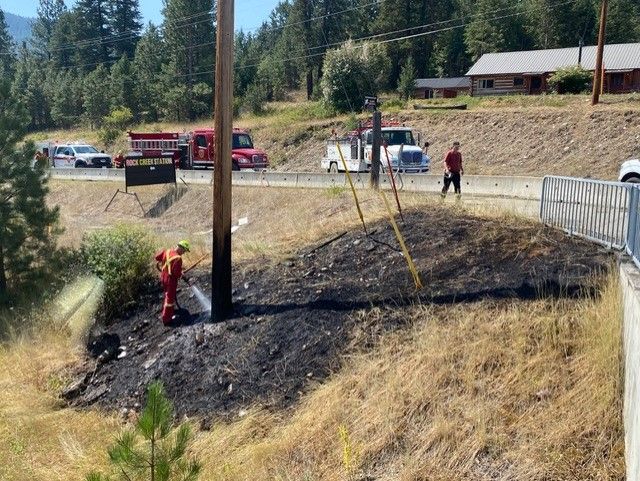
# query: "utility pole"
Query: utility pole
374,181
221,303
598,74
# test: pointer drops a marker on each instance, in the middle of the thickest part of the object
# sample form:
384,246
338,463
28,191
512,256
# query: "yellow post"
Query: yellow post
407,256
353,189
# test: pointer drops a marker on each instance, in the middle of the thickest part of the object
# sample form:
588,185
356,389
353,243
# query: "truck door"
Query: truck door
200,149
64,157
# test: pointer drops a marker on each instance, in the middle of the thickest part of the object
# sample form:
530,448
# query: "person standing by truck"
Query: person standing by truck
453,170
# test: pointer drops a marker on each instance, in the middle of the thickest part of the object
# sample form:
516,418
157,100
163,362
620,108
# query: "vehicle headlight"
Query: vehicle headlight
243,160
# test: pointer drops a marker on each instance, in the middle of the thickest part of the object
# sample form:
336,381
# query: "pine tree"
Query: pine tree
153,450
407,80
63,37
121,88
96,96
27,248
623,21
66,99
49,13
126,25
189,33
93,33
28,87
147,70
7,53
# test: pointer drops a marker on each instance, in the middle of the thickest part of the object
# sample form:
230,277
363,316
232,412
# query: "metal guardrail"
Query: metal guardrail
596,210
633,237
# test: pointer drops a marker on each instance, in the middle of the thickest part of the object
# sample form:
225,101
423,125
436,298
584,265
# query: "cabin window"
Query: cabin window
518,81
617,80
428,94
485,84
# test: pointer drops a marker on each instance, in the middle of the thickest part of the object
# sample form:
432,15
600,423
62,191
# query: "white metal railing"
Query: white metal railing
633,236
604,212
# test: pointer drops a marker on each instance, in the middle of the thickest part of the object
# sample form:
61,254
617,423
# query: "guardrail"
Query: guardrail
593,209
498,186
633,238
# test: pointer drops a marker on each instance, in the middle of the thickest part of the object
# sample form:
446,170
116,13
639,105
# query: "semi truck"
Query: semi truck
398,141
196,149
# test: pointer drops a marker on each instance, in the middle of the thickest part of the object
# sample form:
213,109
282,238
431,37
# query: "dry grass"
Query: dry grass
517,391
492,390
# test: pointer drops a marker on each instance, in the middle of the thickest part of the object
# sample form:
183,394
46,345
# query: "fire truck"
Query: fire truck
398,141
196,149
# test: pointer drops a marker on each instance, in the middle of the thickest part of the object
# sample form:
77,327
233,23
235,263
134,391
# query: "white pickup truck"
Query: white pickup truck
402,147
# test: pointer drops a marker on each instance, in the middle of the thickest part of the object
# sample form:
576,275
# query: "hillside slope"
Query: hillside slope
573,139
19,27
370,385
500,136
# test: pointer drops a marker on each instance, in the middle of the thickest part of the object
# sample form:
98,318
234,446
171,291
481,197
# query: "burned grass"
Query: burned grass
295,320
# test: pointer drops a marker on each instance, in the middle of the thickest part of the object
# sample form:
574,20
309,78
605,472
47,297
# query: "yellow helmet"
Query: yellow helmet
185,245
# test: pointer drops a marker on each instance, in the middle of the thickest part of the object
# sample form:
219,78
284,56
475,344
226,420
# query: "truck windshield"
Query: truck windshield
242,141
85,149
397,137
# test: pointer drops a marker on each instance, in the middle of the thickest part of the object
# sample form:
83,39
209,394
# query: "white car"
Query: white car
80,157
630,171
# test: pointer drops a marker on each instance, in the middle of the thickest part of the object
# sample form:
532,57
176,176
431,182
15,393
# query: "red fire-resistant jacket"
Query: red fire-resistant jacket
170,263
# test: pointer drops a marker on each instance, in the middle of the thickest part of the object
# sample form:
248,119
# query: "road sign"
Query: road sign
160,169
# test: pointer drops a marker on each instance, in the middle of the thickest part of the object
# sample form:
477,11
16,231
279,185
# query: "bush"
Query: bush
114,124
122,257
254,99
351,72
571,80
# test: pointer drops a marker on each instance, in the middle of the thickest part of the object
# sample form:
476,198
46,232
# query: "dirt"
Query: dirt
575,140
295,320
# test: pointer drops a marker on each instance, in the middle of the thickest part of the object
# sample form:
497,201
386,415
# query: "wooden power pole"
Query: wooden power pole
598,74
221,303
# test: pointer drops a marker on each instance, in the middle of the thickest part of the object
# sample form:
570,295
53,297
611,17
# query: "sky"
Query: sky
249,13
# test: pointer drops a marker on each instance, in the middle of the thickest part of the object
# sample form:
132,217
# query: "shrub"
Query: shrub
121,256
571,80
153,449
254,99
393,105
353,71
114,124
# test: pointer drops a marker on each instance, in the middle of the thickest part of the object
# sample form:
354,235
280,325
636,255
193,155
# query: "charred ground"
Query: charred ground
294,320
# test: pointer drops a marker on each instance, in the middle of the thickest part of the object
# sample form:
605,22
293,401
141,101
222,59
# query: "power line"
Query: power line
396,39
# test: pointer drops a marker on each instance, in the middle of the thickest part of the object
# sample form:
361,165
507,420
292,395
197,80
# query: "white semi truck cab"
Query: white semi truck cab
398,142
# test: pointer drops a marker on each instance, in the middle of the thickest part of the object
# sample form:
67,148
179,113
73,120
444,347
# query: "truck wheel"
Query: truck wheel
235,166
631,178
185,164
333,168
81,165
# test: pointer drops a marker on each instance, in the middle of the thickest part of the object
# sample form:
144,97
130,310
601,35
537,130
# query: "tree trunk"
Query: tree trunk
309,83
3,275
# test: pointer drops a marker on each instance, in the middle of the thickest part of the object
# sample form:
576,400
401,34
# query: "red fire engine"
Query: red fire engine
196,149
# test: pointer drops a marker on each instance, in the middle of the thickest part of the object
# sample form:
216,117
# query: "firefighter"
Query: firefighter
169,263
